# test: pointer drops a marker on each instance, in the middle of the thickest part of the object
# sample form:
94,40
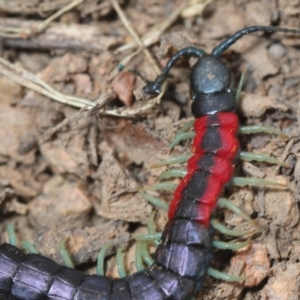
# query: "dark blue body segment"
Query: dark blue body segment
173,275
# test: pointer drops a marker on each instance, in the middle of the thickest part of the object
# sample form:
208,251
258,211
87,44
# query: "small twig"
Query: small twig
134,35
17,32
58,14
34,83
153,35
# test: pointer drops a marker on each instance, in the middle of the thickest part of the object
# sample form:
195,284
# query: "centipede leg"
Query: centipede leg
185,128
173,173
259,129
154,201
166,185
146,257
65,254
181,137
225,203
248,156
224,276
239,88
12,238
223,229
252,181
173,160
230,246
151,228
138,256
100,260
29,248
120,263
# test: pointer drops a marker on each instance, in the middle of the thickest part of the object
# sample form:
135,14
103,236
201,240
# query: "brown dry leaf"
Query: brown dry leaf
16,126
281,206
22,181
285,284
123,86
65,154
83,242
60,202
119,199
256,105
257,263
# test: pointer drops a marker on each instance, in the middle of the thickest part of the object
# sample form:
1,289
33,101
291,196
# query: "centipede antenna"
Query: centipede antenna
154,88
217,51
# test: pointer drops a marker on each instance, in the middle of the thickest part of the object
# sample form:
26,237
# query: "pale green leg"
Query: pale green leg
29,248
167,185
248,156
225,203
230,246
148,237
12,238
223,229
151,228
173,173
120,263
154,201
240,87
173,160
65,254
260,129
252,181
100,260
138,257
224,276
147,258
185,128
181,137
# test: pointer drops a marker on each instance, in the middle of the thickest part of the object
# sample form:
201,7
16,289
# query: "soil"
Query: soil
75,174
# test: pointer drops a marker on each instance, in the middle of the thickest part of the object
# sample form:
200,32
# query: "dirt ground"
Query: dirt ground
73,169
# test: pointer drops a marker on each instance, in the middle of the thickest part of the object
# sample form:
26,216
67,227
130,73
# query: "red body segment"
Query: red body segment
215,146
222,168
226,120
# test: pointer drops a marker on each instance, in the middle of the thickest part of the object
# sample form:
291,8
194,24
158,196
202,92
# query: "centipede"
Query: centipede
181,262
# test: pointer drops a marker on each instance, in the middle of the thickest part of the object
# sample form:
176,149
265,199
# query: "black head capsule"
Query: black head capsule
210,74
210,84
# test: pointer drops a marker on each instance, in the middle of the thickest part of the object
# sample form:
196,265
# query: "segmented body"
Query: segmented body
182,259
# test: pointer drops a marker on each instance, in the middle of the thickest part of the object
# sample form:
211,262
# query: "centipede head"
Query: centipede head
210,74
